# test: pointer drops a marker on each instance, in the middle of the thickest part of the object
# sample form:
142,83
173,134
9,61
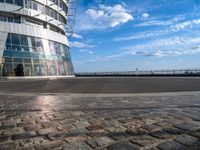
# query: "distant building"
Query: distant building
33,41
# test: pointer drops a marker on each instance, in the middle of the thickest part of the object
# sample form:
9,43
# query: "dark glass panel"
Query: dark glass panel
26,60
33,42
1,0
10,19
15,39
3,18
17,60
8,60
8,69
8,47
36,61
9,1
24,40
17,20
8,40
57,48
18,2
35,5
25,48
16,48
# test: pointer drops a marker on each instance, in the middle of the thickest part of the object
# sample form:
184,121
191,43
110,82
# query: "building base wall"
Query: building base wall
37,77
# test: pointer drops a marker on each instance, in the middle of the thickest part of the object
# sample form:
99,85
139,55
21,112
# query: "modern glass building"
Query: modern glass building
32,38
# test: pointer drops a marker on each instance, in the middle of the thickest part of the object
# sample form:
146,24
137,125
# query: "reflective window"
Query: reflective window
52,48
9,1
18,2
8,40
24,40
39,45
12,19
15,39
25,57
15,2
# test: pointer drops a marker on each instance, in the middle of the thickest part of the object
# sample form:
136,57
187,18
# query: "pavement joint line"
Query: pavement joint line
193,93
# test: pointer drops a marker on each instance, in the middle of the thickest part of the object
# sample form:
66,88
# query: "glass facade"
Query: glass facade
49,11
14,2
12,19
31,56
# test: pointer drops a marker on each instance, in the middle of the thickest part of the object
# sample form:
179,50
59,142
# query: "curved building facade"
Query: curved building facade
32,38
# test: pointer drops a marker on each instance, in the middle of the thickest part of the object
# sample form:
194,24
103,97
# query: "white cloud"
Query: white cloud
155,23
160,21
186,24
104,17
167,47
80,45
145,16
142,35
77,36
86,51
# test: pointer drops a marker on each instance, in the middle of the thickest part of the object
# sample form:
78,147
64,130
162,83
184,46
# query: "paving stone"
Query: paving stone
171,145
92,143
75,146
163,124
10,132
46,131
25,135
138,132
30,142
119,135
195,133
79,138
125,145
65,127
49,146
8,146
6,127
3,138
187,126
94,127
81,124
161,134
31,128
144,140
25,124
58,135
175,131
45,124
151,127
96,133
78,131
68,121
127,120
103,141
187,140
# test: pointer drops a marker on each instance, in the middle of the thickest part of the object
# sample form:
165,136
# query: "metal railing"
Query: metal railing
177,72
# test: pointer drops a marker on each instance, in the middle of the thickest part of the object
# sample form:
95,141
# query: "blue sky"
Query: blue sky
122,35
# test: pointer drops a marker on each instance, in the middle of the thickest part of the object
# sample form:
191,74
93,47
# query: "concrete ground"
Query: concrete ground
100,113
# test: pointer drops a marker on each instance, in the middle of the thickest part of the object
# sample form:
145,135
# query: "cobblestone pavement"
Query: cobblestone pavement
165,121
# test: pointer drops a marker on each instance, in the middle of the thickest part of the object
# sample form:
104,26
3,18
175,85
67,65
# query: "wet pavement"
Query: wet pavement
155,121
103,85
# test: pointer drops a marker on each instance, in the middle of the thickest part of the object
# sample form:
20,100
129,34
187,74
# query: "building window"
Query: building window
18,2
12,19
